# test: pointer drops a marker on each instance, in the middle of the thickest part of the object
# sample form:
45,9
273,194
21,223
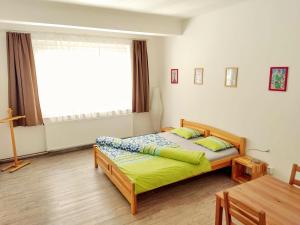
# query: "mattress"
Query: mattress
189,145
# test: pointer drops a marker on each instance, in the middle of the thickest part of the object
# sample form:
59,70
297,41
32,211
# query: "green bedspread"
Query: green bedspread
149,172
189,156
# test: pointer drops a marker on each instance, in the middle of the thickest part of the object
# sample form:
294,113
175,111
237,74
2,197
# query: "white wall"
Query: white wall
253,36
33,139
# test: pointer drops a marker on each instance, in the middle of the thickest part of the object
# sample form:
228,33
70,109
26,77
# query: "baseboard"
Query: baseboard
24,157
53,152
70,149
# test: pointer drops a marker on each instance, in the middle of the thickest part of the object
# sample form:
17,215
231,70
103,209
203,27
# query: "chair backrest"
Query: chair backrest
243,213
293,180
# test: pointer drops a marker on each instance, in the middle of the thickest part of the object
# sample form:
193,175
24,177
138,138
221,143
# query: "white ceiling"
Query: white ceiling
178,8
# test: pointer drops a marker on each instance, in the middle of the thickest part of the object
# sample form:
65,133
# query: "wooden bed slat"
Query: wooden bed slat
116,174
221,163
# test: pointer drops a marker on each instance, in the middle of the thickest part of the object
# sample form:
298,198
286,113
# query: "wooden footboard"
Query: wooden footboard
122,182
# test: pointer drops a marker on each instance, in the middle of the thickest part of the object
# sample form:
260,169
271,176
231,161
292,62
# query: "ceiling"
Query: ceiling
178,8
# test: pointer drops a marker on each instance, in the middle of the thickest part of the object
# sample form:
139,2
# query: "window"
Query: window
82,76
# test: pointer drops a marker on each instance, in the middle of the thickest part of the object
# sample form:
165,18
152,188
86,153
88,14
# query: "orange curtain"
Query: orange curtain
140,91
22,82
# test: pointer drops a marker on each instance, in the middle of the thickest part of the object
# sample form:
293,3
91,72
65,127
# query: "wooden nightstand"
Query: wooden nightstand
244,169
164,129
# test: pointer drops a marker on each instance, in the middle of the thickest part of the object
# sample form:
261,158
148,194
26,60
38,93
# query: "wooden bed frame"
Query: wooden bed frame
127,187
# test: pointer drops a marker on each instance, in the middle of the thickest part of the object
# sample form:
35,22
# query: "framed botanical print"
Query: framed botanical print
231,76
174,76
198,76
278,78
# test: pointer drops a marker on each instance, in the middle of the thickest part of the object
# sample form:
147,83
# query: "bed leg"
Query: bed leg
133,205
95,157
133,202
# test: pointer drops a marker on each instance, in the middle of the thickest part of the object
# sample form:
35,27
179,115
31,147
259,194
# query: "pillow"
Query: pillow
213,143
186,133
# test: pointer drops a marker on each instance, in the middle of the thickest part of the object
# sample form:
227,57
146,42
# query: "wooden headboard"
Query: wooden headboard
197,126
238,142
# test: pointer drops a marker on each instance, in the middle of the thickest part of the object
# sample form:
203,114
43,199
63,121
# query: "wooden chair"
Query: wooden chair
243,213
293,180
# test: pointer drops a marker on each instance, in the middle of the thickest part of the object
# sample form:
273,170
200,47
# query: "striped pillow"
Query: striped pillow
186,133
213,143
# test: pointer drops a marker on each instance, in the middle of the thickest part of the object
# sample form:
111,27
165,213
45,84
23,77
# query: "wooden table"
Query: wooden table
279,200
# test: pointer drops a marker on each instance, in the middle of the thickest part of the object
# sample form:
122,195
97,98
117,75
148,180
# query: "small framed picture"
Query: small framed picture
278,78
198,76
174,76
231,76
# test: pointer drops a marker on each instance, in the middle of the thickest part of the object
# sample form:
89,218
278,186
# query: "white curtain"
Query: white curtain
82,77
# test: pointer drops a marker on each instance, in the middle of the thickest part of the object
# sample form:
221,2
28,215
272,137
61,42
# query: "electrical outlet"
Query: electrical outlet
270,170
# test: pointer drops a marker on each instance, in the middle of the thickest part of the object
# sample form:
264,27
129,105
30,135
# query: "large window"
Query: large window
82,76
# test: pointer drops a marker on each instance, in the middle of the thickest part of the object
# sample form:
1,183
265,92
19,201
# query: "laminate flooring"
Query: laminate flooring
66,189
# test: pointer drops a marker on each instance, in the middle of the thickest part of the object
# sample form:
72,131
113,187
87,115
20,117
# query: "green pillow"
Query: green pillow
186,133
213,143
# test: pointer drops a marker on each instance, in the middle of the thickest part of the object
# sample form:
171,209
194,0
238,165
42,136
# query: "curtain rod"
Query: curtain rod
76,34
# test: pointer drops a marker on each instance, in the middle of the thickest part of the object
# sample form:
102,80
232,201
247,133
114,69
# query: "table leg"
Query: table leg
219,211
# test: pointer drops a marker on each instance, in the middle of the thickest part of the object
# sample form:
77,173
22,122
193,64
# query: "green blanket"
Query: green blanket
189,156
152,171
149,172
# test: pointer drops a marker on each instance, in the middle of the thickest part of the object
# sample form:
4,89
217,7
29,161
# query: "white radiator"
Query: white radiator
67,134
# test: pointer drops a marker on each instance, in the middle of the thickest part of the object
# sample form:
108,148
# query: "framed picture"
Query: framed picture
198,76
231,76
278,78
174,76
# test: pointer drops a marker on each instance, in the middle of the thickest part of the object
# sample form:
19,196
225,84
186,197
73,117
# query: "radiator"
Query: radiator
68,134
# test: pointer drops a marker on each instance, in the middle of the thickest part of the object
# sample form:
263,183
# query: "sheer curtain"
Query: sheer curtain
82,77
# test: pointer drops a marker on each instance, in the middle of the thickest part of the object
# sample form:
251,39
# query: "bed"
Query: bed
150,172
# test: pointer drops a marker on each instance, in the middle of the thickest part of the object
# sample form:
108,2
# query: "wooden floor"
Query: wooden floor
66,189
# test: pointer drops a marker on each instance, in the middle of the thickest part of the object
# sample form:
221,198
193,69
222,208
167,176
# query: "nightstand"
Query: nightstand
244,169
164,129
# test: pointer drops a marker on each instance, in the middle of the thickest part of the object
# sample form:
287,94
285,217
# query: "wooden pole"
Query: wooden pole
17,164
12,135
